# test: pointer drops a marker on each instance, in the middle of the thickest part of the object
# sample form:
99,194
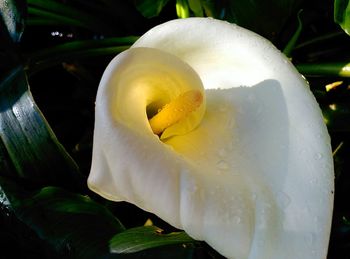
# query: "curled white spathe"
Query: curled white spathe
254,178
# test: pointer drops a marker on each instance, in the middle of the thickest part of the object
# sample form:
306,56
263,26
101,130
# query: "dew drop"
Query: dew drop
237,219
222,165
16,112
231,124
251,98
283,200
316,219
303,151
313,181
311,238
193,188
319,156
254,196
3,199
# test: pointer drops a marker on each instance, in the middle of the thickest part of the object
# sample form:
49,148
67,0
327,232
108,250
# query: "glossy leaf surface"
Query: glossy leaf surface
342,14
73,225
140,238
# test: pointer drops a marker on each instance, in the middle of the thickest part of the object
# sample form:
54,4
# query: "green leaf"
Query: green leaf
341,69
34,154
55,11
12,13
146,237
77,49
28,148
342,14
150,8
11,28
182,9
73,225
209,8
168,252
196,7
337,117
292,42
265,17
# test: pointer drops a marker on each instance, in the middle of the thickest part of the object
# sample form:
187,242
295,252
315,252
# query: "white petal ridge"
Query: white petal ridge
255,178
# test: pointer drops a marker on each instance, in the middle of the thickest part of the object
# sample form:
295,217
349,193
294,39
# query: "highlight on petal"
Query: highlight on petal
140,82
249,171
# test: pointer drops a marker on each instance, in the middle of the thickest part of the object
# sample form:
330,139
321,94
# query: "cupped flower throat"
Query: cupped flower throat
163,96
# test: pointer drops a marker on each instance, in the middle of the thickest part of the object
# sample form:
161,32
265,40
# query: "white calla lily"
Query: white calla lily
248,169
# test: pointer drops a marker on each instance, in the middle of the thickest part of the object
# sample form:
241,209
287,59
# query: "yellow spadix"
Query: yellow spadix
176,110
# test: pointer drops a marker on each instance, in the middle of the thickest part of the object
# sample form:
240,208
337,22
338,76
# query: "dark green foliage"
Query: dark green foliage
141,238
150,8
74,226
342,14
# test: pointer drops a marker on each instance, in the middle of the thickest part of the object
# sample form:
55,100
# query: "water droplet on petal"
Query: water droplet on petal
311,238
319,156
251,98
314,181
193,189
222,165
283,200
319,136
237,219
316,219
254,196
231,124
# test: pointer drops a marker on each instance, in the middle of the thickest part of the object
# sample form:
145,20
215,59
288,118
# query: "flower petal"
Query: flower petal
255,178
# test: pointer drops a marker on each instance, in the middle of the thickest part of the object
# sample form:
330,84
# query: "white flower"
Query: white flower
247,168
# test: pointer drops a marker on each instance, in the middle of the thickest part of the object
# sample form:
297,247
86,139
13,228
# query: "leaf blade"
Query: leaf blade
73,225
150,8
140,238
28,140
342,14
12,13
